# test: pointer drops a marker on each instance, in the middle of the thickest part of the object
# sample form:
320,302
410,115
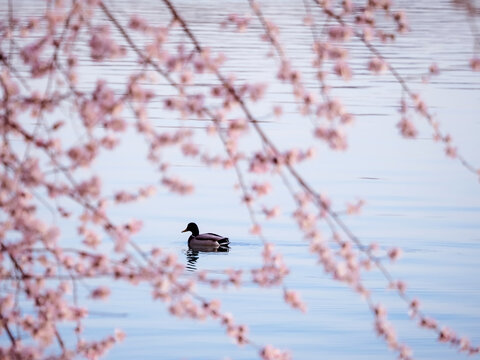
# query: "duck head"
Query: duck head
193,228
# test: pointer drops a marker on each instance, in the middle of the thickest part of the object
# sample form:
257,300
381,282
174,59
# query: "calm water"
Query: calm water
415,198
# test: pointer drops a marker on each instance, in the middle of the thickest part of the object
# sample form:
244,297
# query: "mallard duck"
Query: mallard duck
206,240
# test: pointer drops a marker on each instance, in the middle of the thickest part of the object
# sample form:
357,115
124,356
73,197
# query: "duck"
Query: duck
209,240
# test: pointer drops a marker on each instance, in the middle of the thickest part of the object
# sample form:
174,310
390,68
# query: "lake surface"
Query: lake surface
416,198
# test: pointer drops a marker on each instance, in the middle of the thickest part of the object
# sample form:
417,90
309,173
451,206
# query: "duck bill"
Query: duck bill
184,230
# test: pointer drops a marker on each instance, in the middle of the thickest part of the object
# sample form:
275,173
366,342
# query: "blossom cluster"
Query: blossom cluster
48,159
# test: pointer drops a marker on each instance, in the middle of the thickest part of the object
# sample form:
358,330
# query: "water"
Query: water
416,198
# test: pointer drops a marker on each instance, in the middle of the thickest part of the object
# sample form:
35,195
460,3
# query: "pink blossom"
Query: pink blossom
347,6
101,292
102,46
147,191
277,110
89,188
241,22
377,65
92,239
451,151
401,20
475,64
394,253
428,323
30,173
293,298
116,124
333,137
83,155
138,23
189,149
134,226
434,69
262,189
109,142
271,213
256,229
415,305
446,335
119,335
343,70
356,207
340,32
407,129
268,352
308,20
176,185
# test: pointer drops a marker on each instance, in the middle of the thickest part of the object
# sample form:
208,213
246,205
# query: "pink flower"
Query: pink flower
343,70
256,229
377,65
428,323
119,335
380,310
293,298
271,213
30,172
355,208
451,151
434,69
241,22
269,352
116,124
407,129
89,188
414,305
401,20
92,239
277,110
394,253
334,138
189,149
102,46
475,64
101,292
308,20
138,23
340,32
177,186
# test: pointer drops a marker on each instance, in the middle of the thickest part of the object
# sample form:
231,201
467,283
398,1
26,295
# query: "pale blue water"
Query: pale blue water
416,198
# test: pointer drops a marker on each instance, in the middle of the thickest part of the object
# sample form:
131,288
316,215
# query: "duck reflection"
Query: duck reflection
193,254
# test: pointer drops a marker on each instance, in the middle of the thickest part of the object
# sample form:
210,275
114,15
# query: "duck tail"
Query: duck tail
223,241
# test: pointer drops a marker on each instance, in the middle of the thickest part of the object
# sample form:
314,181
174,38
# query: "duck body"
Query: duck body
209,240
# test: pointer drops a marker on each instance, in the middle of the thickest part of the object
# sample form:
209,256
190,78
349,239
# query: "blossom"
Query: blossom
268,352
475,64
355,208
102,46
407,129
377,65
277,110
434,69
256,229
340,32
401,20
293,298
176,185
343,70
394,253
241,22
138,23
271,213
101,292
333,137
